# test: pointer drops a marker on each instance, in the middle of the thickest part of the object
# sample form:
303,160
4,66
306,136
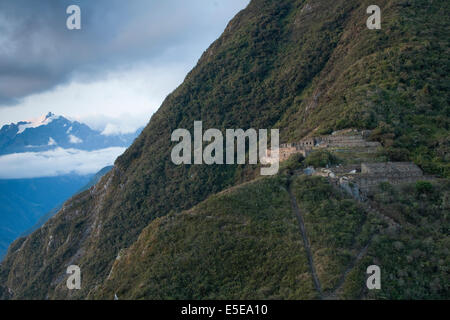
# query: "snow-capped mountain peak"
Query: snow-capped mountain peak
34,123
53,131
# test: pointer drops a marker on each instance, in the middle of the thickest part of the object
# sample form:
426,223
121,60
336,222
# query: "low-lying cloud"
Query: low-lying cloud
56,162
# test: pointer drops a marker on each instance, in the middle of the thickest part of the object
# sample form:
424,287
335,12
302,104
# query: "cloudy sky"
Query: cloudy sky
117,69
112,74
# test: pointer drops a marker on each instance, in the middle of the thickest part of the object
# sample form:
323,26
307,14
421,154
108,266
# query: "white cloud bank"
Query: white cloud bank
124,98
56,162
74,139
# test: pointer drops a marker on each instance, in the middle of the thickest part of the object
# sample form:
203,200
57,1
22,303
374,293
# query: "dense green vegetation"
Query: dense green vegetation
394,80
321,159
245,243
415,258
334,225
301,66
240,244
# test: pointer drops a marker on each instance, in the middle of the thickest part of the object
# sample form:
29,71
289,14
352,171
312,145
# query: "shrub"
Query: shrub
320,159
424,187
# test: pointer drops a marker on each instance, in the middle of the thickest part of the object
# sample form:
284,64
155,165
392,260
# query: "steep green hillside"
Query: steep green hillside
245,243
394,80
296,65
93,181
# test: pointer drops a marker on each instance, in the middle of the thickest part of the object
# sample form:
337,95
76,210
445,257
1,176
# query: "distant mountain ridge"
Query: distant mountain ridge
52,131
26,202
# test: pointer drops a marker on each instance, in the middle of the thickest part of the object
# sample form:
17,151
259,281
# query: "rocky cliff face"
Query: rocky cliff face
301,66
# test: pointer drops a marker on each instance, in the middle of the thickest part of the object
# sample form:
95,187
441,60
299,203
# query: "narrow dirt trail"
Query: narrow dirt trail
359,256
332,294
307,246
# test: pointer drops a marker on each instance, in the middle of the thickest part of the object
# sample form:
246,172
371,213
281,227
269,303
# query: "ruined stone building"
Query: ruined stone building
372,174
288,149
359,180
350,138
307,142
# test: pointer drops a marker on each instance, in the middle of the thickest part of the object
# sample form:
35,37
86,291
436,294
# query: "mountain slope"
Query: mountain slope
93,181
247,238
43,163
24,201
245,243
261,73
393,80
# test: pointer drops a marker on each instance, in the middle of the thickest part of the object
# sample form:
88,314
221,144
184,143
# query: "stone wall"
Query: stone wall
391,168
368,182
288,149
349,138
368,176
372,174
349,141
286,152
307,142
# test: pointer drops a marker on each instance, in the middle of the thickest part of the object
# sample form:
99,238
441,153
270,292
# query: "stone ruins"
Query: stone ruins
356,179
349,138
372,174
359,180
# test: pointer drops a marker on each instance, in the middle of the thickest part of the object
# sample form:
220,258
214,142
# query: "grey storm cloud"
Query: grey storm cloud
38,52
